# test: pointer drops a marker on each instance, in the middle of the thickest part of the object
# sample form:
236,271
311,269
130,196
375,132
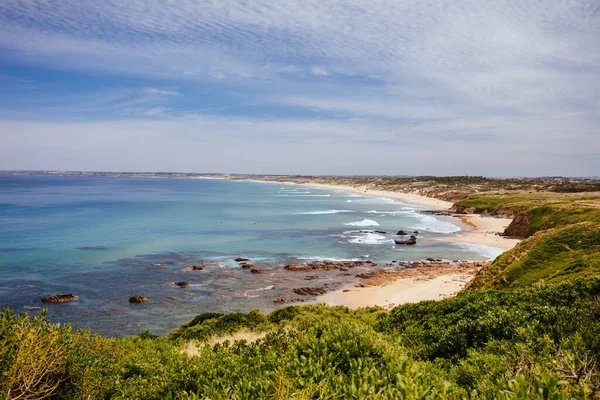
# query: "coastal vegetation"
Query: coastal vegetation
538,342
526,327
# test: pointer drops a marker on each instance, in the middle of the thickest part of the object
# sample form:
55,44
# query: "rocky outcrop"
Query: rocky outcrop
182,284
412,240
296,267
194,268
518,227
458,209
59,298
309,291
401,233
246,265
326,266
331,265
241,259
256,270
138,299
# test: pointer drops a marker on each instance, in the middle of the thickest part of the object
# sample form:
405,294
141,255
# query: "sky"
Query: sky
340,87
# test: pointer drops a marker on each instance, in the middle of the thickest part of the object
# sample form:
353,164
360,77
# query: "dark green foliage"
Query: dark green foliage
208,324
451,328
540,342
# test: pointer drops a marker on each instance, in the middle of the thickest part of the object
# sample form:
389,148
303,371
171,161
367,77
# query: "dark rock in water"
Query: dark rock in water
246,265
431,259
92,248
401,233
310,277
59,298
138,299
296,267
194,268
279,300
256,270
382,232
309,291
415,232
410,241
241,259
182,284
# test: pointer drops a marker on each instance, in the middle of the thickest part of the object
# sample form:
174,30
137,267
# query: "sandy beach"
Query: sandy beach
400,291
411,198
485,231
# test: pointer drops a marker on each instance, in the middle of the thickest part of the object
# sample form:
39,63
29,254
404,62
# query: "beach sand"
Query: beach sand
486,231
411,198
400,291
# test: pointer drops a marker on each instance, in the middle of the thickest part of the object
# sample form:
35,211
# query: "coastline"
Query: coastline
486,229
400,290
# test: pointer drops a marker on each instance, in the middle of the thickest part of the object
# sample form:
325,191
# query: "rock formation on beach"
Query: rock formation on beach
309,291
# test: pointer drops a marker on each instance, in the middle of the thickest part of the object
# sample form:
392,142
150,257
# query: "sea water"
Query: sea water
108,238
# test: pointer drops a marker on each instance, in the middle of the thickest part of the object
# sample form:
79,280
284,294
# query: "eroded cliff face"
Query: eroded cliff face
518,227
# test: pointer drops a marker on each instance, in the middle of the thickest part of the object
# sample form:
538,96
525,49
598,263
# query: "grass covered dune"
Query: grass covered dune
526,327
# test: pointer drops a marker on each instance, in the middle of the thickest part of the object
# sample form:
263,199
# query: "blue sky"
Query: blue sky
499,88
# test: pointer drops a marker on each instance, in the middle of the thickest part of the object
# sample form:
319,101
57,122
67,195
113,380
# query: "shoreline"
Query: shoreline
486,229
402,290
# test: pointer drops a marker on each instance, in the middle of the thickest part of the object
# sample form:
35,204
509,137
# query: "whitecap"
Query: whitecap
423,222
323,212
303,195
321,258
364,222
369,238
487,251
396,212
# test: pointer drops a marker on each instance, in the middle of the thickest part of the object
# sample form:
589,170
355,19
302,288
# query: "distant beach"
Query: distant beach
434,285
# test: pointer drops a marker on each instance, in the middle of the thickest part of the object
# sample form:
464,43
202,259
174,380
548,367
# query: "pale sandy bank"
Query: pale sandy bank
400,291
486,231
411,198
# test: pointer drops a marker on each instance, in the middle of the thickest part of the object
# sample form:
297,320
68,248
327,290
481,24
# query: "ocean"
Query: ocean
108,238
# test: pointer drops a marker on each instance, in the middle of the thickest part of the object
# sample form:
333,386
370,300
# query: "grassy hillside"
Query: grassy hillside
552,255
538,343
535,211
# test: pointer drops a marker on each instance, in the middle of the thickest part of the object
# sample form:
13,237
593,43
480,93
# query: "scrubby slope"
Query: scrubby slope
540,342
553,255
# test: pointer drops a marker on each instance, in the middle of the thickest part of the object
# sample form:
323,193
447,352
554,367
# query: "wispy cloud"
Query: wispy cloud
432,72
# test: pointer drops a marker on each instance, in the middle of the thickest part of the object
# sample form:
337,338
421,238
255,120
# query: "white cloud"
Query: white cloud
319,71
161,92
435,71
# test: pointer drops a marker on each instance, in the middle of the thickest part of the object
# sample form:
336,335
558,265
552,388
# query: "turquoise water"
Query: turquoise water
102,238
